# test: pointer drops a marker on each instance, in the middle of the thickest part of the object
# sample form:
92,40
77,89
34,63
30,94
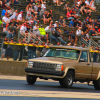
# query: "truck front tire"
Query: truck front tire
68,80
97,84
31,79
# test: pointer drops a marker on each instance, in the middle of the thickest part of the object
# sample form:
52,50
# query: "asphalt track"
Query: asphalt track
16,88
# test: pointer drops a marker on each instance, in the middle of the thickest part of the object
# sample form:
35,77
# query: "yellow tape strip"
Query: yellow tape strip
40,46
25,45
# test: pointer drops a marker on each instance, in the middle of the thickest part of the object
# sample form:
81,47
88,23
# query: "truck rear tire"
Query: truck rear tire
31,79
97,84
68,80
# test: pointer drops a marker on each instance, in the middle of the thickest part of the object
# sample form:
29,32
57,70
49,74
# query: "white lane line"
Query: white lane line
55,94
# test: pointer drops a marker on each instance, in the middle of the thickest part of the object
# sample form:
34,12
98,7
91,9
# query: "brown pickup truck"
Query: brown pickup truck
66,64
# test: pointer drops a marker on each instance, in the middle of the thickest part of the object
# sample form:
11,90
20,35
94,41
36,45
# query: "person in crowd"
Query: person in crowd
32,49
0,3
16,2
5,19
56,2
3,12
36,30
43,5
57,34
9,50
95,55
20,16
92,5
56,24
28,17
78,32
83,45
71,24
45,20
72,37
4,47
60,21
23,29
66,7
11,31
29,6
18,51
4,5
69,16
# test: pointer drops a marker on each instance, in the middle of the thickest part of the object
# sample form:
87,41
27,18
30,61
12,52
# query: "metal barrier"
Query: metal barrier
90,43
28,36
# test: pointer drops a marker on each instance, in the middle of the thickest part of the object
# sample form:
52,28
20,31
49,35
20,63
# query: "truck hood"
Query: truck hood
53,60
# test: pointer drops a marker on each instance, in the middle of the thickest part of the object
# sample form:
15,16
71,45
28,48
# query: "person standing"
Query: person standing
32,49
18,51
9,49
4,47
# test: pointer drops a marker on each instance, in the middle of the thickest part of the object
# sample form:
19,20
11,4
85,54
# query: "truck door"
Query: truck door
96,65
84,68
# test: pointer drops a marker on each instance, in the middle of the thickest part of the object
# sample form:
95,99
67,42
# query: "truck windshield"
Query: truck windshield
63,53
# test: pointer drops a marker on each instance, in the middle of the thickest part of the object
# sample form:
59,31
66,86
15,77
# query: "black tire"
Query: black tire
97,84
61,82
31,79
68,79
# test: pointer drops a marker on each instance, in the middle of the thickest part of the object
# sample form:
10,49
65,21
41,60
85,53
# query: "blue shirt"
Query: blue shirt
71,23
3,12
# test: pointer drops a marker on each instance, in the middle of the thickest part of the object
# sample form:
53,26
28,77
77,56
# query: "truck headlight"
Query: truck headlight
59,67
30,64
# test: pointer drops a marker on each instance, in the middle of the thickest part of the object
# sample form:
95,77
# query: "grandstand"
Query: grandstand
57,12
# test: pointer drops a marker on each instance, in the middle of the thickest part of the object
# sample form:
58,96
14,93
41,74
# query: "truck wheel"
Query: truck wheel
61,82
31,79
68,80
97,84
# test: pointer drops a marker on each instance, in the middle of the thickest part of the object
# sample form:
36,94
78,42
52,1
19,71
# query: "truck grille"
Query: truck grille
44,65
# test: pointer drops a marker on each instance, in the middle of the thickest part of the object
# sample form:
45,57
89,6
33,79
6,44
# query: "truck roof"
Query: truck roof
68,47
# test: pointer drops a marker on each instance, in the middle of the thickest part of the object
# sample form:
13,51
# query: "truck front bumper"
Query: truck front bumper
43,71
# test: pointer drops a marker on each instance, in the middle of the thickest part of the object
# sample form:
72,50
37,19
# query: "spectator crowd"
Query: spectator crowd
27,23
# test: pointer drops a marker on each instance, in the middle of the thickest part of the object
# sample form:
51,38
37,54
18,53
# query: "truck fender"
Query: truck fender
66,70
98,75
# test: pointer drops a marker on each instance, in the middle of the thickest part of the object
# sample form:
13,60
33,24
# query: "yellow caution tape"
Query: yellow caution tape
19,44
41,46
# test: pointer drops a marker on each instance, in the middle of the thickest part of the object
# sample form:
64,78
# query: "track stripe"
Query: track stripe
57,94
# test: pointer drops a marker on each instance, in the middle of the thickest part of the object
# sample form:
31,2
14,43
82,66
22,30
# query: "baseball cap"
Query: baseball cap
33,3
44,2
56,21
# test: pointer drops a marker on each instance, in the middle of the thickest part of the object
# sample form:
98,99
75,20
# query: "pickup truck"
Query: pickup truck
66,64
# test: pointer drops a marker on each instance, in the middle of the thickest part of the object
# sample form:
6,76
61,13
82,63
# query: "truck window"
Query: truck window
84,56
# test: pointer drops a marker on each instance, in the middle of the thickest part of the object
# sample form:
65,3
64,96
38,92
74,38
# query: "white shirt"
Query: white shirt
19,17
87,2
36,8
92,5
13,16
23,29
43,6
47,28
87,35
78,3
55,25
36,31
78,32
5,19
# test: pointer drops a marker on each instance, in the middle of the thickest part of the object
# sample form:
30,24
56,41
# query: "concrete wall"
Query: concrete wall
15,68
